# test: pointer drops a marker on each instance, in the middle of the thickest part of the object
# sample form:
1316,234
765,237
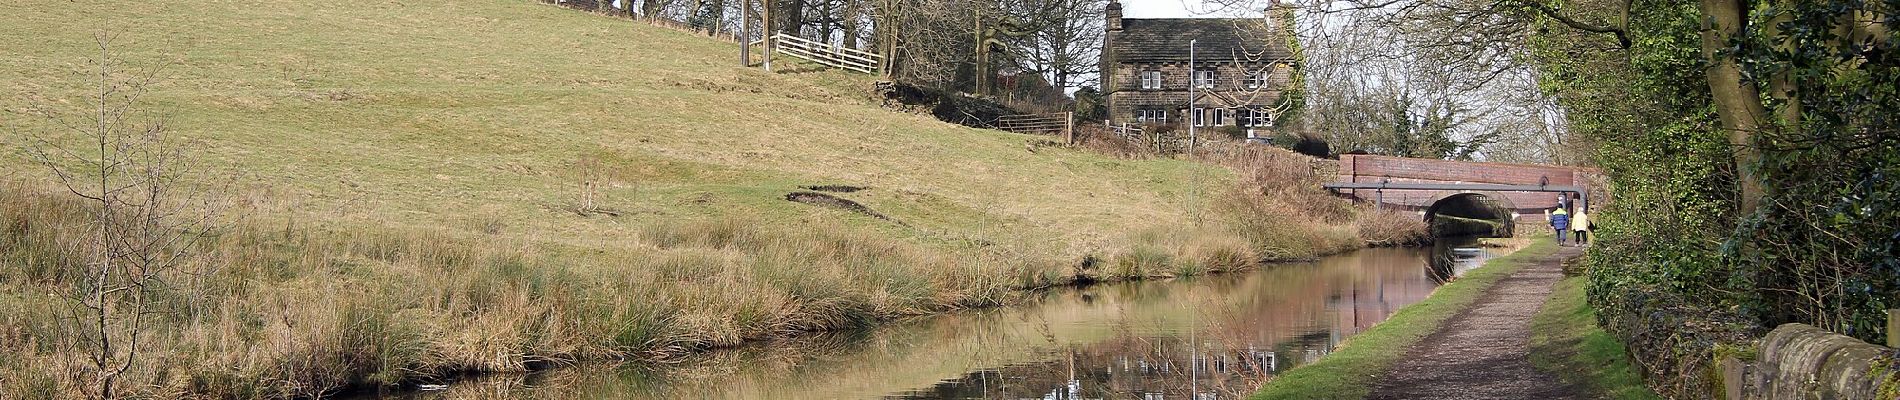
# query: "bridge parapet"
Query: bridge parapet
1357,165
1534,196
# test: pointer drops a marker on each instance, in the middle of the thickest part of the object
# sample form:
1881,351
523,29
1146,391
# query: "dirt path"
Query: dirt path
1484,351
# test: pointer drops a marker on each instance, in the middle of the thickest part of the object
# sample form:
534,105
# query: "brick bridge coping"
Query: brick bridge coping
1530,205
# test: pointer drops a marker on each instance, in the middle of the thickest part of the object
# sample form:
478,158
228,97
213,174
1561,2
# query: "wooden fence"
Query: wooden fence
1124,131
826,54
1161,142
792,45
1062,123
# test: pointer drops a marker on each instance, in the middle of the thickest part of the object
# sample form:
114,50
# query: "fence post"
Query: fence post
1893,328
1069,128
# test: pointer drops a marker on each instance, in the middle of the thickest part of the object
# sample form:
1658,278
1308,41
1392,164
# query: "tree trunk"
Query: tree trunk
765,32
1737,101
651,9
745,33
852,27
886,31
794,15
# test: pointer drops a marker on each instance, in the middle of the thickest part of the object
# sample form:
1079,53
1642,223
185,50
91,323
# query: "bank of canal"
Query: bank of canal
1215,335
1354,371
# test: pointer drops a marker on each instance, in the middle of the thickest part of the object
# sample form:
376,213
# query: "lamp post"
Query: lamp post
1193,113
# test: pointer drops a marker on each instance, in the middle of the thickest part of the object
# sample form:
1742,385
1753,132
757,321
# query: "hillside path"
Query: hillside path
1484,351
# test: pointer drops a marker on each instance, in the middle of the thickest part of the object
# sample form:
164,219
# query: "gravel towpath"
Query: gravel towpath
1484,351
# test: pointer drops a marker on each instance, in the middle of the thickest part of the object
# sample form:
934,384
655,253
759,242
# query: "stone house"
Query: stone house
1240,70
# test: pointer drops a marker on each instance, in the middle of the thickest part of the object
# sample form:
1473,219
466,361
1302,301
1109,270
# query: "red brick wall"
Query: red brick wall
1454,171
1531,205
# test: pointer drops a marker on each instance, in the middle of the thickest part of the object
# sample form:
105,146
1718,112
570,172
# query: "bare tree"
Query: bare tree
144,223
1361,57
1065,43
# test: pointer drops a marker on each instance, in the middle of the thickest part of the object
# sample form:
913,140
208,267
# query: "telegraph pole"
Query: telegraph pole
1193,112
1194,194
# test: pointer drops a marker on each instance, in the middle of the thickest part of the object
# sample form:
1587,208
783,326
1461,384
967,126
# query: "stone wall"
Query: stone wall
1797,361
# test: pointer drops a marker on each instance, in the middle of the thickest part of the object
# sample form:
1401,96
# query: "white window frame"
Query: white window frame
1151,116
1209,117
1257,79
1257,117
1150,79
1204,78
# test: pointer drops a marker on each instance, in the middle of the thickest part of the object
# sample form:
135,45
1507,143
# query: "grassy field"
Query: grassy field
408,173
1350,371
447,115
1565,337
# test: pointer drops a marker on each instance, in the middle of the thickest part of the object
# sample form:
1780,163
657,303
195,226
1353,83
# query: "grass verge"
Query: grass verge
1565,337
1347,373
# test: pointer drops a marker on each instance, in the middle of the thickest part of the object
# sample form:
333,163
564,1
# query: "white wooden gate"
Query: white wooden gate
1062,123
826,54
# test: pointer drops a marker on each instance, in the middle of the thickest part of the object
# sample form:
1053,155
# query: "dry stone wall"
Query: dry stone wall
1797,361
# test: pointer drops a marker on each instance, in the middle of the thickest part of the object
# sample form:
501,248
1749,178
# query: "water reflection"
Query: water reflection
1452,256
1209,337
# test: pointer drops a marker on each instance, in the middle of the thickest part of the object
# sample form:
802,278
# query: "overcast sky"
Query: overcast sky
1173,9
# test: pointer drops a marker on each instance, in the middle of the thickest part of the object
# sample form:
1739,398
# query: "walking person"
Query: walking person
1560,222
1581,225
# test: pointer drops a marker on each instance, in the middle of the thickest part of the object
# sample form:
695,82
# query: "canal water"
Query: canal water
1213,337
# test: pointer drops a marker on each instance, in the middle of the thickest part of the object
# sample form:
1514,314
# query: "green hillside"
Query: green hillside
408,175
442,114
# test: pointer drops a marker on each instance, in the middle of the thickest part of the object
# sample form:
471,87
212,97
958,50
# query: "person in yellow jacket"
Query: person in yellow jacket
1580,224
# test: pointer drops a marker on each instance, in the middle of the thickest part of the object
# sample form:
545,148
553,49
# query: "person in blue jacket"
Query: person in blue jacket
1560,221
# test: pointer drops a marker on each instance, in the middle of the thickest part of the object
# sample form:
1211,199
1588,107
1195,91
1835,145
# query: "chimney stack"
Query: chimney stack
1114,16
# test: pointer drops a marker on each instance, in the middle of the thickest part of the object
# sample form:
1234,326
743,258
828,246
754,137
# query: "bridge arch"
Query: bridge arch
1471,213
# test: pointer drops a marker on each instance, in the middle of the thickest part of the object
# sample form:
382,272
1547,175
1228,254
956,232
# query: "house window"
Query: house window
1257,79
1204,78
1150,79
1210,116
1151,116
1253,117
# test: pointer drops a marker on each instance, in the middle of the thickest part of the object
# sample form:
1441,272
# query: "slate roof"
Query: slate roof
1166,39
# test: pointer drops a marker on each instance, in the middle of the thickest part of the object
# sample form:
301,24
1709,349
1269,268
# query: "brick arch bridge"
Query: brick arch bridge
1426,185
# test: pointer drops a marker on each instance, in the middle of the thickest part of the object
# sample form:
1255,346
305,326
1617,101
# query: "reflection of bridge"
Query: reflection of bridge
1476,190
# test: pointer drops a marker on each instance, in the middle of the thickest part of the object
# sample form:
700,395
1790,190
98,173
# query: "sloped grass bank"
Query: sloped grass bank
283,312
1348,372
1566,340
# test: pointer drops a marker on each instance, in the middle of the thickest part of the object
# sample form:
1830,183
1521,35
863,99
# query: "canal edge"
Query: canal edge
1352,369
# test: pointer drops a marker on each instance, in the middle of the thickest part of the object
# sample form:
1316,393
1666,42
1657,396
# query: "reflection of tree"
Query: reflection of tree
1443,262
1446,261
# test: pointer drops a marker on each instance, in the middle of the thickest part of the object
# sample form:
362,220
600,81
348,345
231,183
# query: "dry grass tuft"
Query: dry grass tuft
1392,228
